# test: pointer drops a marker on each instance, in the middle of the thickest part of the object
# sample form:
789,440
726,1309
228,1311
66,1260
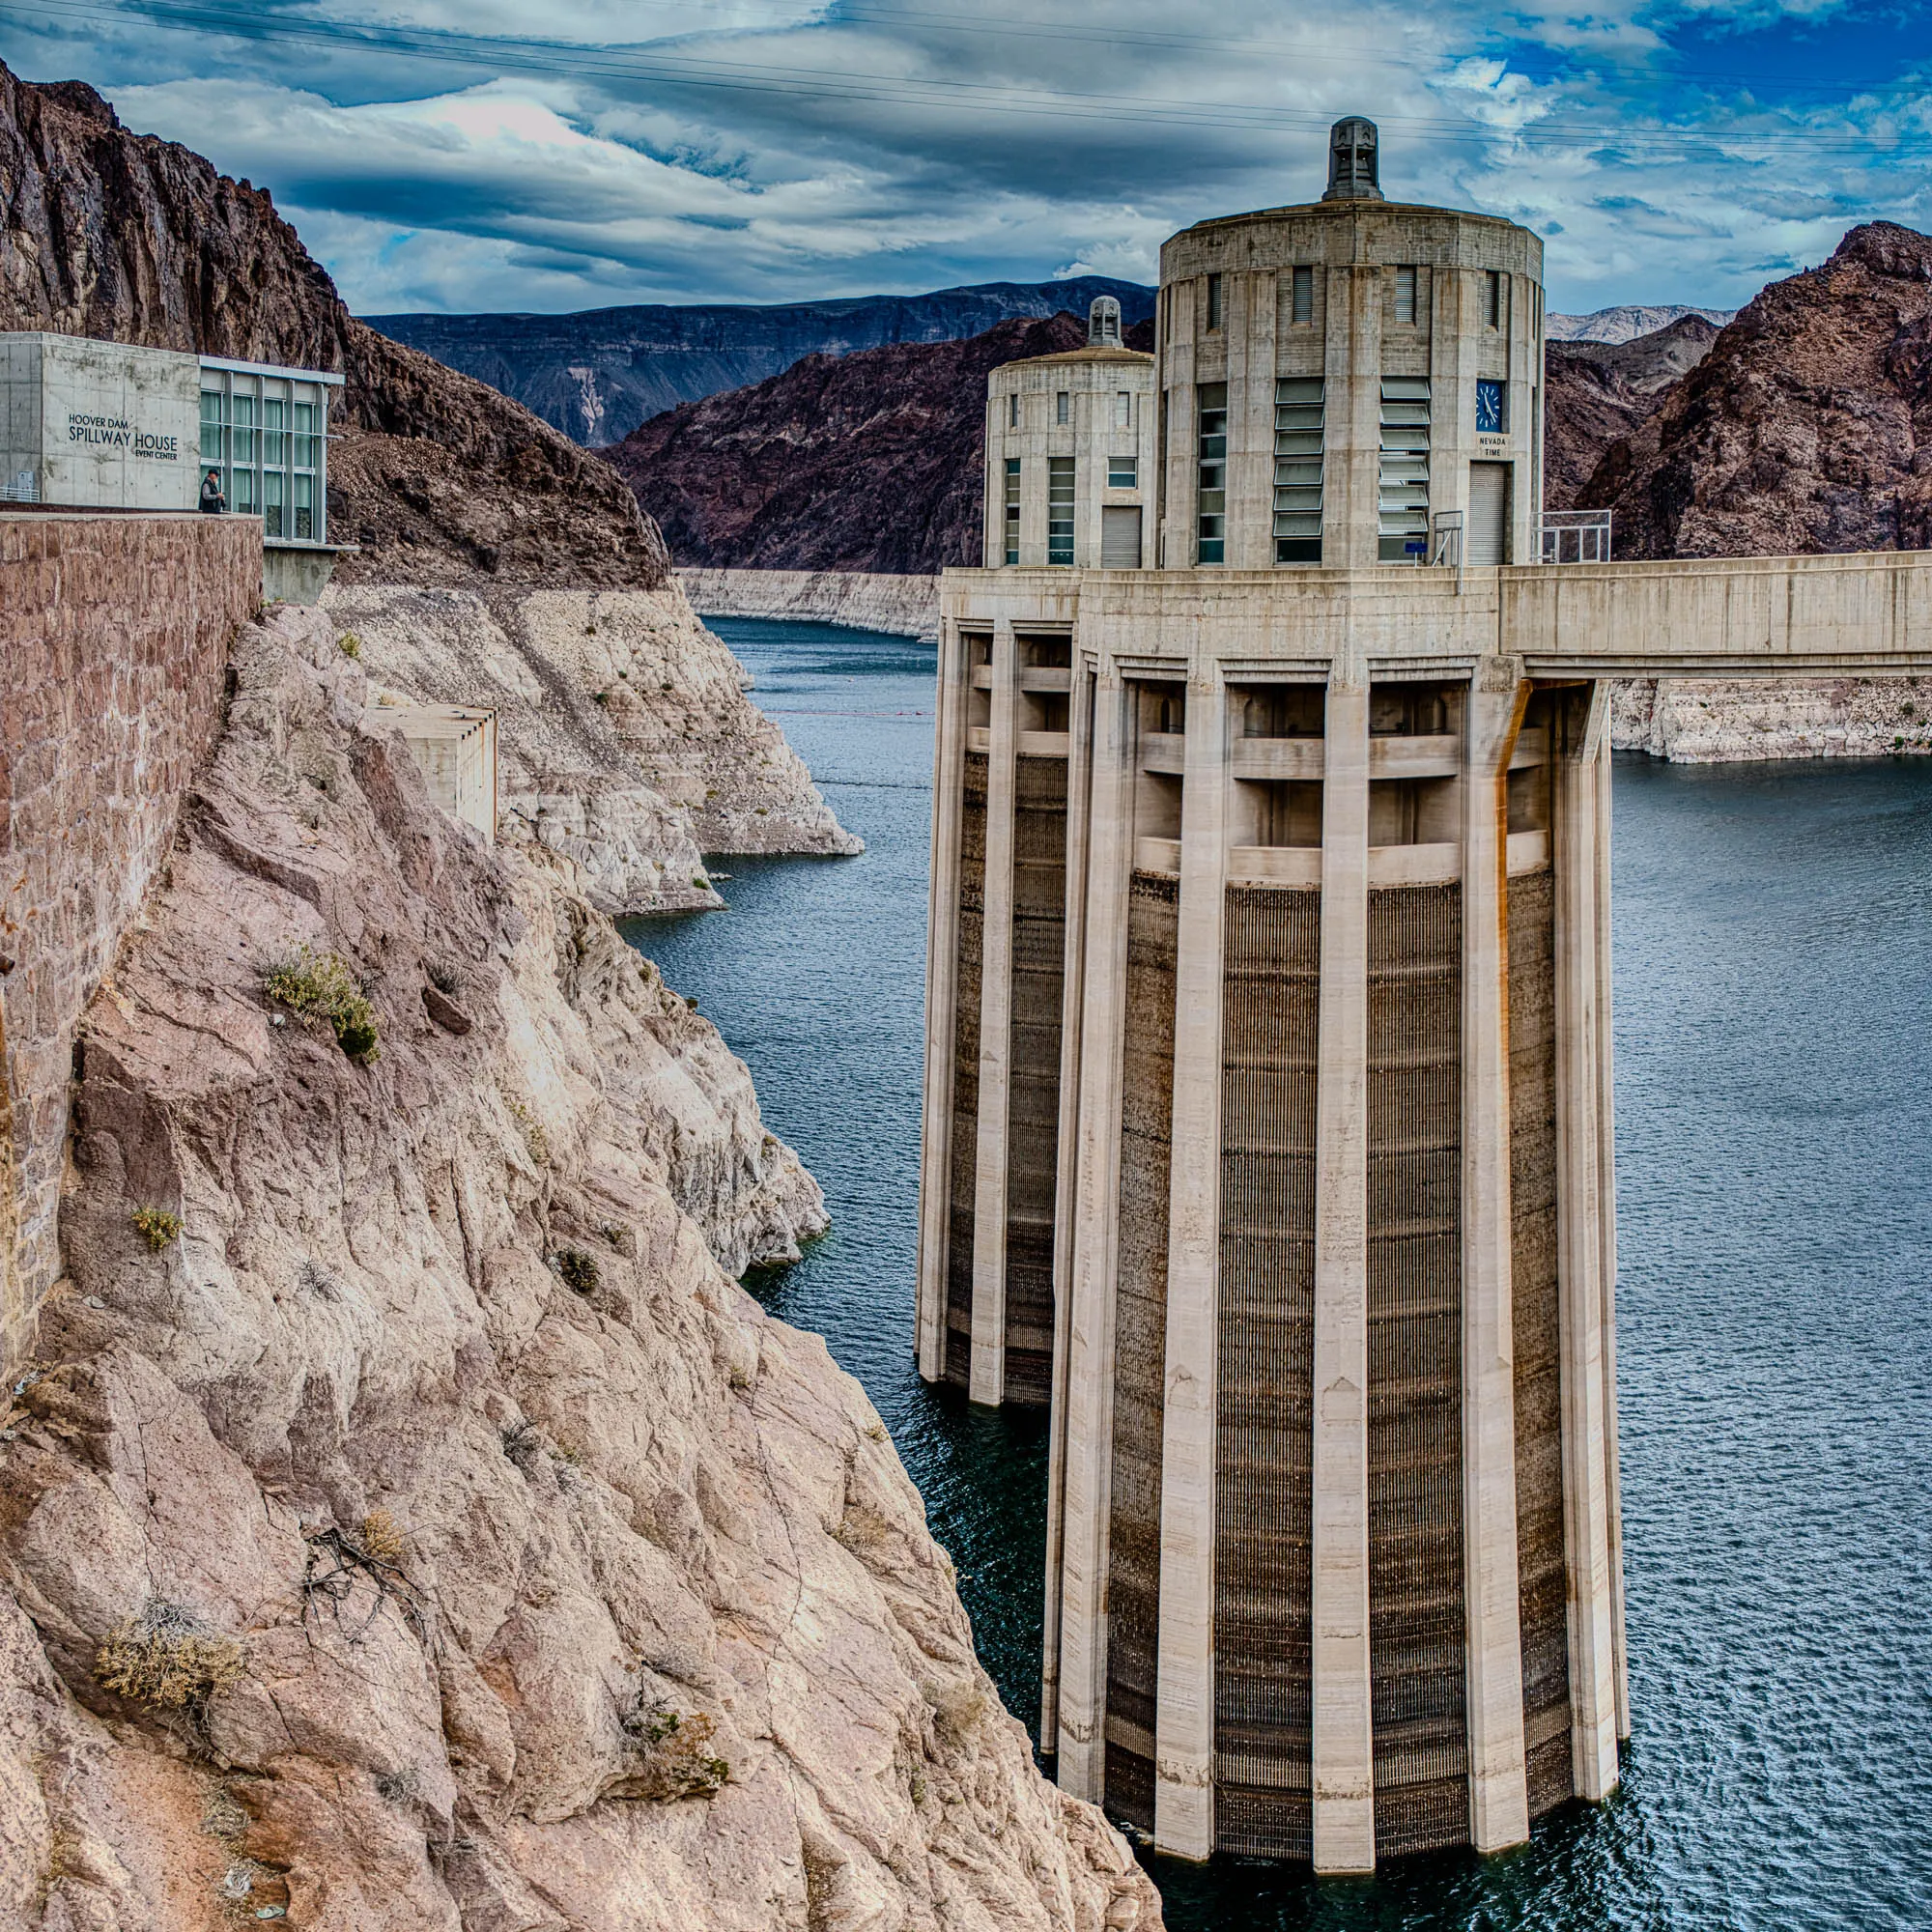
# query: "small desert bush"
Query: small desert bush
350,644
534,1136
159,1226
578,1271
168,1655
381,1537
319,986
674,1759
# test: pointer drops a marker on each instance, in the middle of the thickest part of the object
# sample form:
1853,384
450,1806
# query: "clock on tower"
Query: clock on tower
1492,417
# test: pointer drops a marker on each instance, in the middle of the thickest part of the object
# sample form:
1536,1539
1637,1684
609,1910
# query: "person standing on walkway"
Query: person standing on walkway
213,501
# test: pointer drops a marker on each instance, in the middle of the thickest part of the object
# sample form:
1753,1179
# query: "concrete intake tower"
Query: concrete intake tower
1267,1126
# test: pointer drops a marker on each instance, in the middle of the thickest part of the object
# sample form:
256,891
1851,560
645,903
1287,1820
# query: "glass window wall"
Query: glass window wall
268,436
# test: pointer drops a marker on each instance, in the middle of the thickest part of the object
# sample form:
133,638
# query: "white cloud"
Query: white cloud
766,150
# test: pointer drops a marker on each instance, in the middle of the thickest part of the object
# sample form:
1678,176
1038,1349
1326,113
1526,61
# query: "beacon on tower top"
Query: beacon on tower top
1353,174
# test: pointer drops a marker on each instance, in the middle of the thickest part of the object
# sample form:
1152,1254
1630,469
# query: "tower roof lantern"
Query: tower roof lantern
1354,169
1103,323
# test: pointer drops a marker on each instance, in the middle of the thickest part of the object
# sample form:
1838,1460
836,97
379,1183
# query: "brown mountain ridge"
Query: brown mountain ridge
868,461
437,477
1806,428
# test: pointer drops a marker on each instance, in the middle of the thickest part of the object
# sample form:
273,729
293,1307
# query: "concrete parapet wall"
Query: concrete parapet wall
114,635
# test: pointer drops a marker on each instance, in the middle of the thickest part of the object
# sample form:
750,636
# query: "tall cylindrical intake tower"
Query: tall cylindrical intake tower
1266,1107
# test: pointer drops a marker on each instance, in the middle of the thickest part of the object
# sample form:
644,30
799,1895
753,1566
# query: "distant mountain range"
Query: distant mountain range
1620,325
597,374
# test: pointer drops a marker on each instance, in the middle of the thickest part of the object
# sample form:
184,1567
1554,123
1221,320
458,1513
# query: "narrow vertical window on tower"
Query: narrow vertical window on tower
1404,297
1402,508
1213,302
1124,409
1013,410
1302,300
1060,509
1297,469
1212,505
1492,300
1013,509
1062,406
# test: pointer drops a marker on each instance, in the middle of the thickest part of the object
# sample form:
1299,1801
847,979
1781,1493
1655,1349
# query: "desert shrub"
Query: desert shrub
673,1754
312,1278
168,1655
399,1787
578,1271
320,987
349,644
381,1537
522,1444
534,1136
159,1226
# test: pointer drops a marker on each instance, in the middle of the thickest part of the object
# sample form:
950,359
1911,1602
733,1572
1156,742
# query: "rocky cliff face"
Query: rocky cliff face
1627,322
906,606
1598,393
864,463
598,374
406,1523
438,477
1807,427
626,740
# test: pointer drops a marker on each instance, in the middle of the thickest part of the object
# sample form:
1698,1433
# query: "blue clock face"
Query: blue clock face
1489,408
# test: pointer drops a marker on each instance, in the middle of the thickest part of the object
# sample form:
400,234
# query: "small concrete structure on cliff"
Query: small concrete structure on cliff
115,426
1267,1117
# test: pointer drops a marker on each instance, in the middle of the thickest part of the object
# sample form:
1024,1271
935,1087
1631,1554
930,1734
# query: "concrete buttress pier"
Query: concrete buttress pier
1267,1124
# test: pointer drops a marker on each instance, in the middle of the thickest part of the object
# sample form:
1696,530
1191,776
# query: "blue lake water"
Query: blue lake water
1774,1036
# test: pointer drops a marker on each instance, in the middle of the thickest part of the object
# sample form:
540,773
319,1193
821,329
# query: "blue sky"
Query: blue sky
464,155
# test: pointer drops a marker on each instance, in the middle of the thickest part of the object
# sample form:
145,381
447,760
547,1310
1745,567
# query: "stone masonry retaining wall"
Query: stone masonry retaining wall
114,634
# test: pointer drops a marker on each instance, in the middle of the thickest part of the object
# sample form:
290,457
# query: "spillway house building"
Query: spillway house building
1267,1095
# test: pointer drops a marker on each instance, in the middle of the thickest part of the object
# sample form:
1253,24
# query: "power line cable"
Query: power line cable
636,65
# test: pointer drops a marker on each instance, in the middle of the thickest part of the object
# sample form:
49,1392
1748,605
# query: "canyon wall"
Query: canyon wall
626,740
406,1523
597,374
907,606
1732,721
435,478
870,462
107,703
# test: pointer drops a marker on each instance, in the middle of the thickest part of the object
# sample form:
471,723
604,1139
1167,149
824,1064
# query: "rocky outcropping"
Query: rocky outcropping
908,606
437,477
1807,427
406,1523
596,376
859,463
1597,393
626,741
1730,721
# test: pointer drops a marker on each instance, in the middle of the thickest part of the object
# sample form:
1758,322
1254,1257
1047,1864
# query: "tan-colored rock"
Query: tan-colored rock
666,1645
863,600
627,741
1729,721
